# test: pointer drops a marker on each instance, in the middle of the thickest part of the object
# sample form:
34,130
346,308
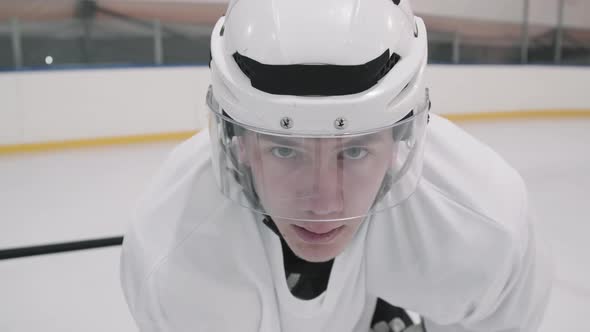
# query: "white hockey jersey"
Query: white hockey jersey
461,252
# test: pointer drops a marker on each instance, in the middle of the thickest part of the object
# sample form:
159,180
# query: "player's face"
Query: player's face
301,182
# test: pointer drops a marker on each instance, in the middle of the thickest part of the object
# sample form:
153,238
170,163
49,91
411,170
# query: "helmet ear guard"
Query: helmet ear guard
403,131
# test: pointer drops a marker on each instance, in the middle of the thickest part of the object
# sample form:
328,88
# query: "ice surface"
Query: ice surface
80,194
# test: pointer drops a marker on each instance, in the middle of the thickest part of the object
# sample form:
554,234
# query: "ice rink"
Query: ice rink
85,194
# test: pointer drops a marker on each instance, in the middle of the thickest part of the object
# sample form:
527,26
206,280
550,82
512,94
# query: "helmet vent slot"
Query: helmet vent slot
316,80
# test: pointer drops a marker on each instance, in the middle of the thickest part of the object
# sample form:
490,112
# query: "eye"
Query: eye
354,153
283,152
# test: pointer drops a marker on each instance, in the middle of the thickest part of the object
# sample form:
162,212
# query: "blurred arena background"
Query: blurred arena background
95,94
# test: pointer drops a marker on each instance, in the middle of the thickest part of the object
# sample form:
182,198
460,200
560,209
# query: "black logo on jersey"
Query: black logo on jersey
389,318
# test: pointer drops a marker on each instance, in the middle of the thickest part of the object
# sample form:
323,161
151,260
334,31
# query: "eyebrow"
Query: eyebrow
280,140
363,140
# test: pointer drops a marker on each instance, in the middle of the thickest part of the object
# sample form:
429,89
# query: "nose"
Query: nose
327,179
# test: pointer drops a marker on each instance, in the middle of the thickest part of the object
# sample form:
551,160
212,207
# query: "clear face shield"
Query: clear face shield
341,178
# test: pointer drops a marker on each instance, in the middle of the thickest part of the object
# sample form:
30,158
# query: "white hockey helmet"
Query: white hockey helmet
318,107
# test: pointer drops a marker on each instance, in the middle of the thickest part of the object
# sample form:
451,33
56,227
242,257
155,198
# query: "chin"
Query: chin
316,254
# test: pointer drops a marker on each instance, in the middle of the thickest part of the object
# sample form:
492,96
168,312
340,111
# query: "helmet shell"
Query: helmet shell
316,33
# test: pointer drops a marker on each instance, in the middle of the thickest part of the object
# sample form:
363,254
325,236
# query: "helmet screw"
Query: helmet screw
340,123
286,123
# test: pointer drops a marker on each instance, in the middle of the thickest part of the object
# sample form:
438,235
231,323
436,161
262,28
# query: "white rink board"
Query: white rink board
77,104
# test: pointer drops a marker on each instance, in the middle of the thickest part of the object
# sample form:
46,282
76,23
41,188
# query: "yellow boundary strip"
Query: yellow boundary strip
94,142
179,136
518,115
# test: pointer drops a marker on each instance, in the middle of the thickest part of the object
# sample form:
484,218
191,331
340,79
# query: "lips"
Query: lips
319,228
317,234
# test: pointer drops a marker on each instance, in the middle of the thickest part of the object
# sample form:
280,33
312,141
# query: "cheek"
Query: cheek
352,228
366,182
273,177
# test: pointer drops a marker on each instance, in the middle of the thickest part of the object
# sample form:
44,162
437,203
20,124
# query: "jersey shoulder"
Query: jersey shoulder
459,237
179,199
471,174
